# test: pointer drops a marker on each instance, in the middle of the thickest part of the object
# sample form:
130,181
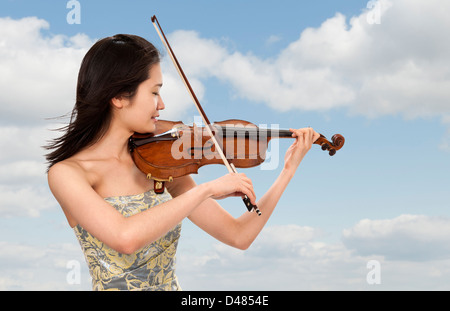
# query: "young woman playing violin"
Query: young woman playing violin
128,233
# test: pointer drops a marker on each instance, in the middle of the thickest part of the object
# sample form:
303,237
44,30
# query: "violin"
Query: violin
176,150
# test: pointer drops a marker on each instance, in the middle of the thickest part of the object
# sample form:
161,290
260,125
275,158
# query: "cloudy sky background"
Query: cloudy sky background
378,72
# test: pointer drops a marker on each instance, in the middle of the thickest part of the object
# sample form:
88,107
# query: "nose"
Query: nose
160,104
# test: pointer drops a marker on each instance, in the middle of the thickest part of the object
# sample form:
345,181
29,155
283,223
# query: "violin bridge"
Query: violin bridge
177,128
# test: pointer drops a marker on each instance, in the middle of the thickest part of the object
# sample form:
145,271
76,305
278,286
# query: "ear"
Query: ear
119,101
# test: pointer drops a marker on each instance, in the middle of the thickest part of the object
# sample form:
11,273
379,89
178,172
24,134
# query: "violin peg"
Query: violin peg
332,152
325,146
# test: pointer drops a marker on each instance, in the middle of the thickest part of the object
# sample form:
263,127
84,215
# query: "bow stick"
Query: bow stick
231,168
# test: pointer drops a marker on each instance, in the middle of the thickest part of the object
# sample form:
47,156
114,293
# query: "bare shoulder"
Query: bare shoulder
69,184
68,181
65,171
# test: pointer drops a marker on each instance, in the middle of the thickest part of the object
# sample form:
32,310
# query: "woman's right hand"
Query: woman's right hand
232,185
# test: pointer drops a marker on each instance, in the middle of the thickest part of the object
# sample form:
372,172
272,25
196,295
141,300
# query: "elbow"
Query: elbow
126,244
240,239
242,244
243,247
126,249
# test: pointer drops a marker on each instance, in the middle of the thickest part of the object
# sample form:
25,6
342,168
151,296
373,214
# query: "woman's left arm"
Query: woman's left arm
241,232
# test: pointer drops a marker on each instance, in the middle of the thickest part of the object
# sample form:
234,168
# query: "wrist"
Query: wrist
287,173
205,190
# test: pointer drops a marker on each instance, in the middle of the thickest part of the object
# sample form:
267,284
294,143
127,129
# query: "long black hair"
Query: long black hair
114,66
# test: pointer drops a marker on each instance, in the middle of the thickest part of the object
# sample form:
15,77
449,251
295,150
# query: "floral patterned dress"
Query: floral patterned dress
150,268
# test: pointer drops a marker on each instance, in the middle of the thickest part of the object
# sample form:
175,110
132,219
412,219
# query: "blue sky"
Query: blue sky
375,71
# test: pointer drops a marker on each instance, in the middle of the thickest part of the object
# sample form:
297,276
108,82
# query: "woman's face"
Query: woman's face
139,113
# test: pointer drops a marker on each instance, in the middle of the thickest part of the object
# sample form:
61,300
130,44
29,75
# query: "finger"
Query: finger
293,132
296,132
309,136
315,136
301,136
248,190
243,178
243,186
248,181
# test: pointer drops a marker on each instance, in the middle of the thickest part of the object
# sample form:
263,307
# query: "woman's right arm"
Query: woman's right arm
83,206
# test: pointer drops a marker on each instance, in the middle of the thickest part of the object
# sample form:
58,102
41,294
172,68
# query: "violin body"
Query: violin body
176,150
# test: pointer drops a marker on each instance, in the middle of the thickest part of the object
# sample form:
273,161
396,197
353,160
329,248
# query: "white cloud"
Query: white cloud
291,257
38,73
175,95
37,267
23,142
406,237
19,170
23,183
400,66
290,240
284,257
273,39
288,257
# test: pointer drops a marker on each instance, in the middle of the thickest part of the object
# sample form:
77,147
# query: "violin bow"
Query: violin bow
230,166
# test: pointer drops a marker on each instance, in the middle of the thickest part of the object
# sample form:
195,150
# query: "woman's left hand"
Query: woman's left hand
305,137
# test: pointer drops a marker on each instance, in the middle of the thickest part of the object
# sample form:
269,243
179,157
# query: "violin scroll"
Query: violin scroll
337,142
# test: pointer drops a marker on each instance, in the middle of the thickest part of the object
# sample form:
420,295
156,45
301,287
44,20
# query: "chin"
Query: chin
145,129
151,128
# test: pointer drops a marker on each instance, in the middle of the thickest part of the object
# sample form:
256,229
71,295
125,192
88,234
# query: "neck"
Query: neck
113,144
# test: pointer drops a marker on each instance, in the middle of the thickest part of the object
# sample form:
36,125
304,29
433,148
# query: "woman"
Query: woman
128,233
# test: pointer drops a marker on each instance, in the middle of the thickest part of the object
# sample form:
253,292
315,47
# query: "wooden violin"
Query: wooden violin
176,150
